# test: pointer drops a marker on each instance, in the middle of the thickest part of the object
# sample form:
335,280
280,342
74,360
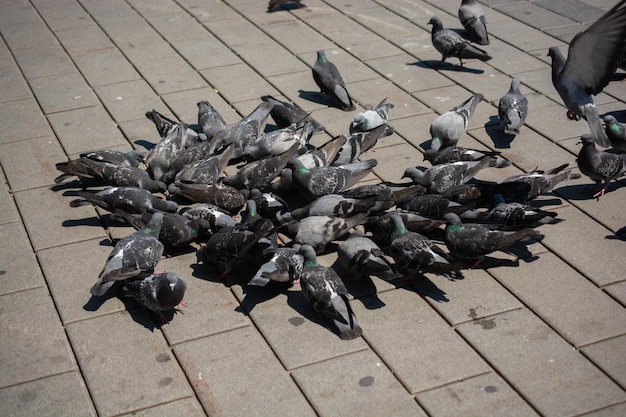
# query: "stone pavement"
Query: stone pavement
547,337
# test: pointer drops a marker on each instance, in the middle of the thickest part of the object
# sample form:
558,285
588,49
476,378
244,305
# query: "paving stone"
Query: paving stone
492,84
617,291
62,92
363,44
210,362
63,14
299,38
573,9
208,12
69,282
76,129
325,19
170,75
177,26
269,59
403,71
19,12
483,395
393,160
295,332
106,67
606,355
529,355
63,394
509,60
409,334
18,35
146,375
128,100
31,163
250,85
236,32
184,104
155,8
517,34
206,52
61,224
358,383
251,10
12,84
51,60
187,407
373,91
415,130
8,211
83,40
612,411
33,341
385,23
534,15
20,270
411,9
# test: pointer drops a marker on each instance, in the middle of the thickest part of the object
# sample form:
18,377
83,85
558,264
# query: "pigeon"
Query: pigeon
133,255
512,216
538,182
616,132
77,167
451,44
124,176
440,178
268,203
473,241
327,294
447,129
512,109
319,231
371,118
324,155
209,120
473,20
459,153
216,217
221,195
592,58
207,170
129,199
434,206
600,166
157,292
252,220
244,131
186,157
359,142
285,114
320,181
341,206
177,230
387,193
273,4
362,257
259,174
285,266
330,82
276,142
414,253
382,227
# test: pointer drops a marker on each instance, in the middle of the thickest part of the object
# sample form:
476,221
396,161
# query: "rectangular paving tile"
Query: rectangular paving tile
63,14
403,71
363,43
236,32
534,15
170,75
408,334
385,23
8,211
145,375
607,355
269,59
33,342
20,270
543,367
63,92
206,52
177,26
129,100
355,384
50,221
187,407
486,394
210,361
42,62
208,12
12,84
106,67
23,36
238,82
327,20
63,394
26,120
299,38
83,40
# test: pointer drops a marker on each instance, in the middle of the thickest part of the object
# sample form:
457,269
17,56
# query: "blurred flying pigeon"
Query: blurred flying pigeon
128,199
285,114
285,265
473,241
361,256
329,180
600,166
327,294
221,195
440,178
330,82
473,20
414,253
447,129
371,118
616,133
593,56
459,153
157,292
133,255
537,181
77,167
512,109
451,44
209,120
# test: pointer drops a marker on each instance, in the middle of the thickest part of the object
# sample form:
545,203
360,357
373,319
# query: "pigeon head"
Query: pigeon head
310,258
453,223
399,227
171,294
586,140
429,155
154,225
436,22
414,174
435,144
321,56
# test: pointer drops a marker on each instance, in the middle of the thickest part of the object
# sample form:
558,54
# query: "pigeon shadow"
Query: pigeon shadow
296,300
425,288
500,139
145,144
620,115
319,98
619,234
583,191
140,314
445,66
285,7
255,295
89,221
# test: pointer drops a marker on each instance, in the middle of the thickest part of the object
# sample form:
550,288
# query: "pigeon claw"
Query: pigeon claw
572,116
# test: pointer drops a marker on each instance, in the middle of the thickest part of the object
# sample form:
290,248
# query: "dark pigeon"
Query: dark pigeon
285,114
209,120
434,206
128,199
362,257
221,195
285,4
600,166
186,157
473,20
134,255
177,230
327,294
330,82
157,292
284,266
592,58
440,178
382,227
616,133
459,153
512,109
447,129
77,167
451,44
207,170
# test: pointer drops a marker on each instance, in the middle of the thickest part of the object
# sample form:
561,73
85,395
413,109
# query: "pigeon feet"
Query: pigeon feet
572,116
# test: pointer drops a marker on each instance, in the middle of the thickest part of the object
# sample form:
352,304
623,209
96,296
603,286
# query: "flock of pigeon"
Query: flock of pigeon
288,202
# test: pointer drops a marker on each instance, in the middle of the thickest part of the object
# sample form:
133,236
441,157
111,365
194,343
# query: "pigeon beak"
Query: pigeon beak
579,142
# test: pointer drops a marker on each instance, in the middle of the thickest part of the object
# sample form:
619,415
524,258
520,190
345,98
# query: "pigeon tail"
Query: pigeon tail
595,124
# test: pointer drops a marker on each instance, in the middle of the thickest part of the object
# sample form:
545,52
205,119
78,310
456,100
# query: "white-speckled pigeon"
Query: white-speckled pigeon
319,231
371,118
77,167
512,109
600,166
538,182
330,82
359,142
318,181
440,178
473,20
128,199
451,44
447,129
210,120
324,155
207,170
285,265
361,256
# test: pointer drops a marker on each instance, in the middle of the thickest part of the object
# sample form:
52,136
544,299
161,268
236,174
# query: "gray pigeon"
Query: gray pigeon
440,178
285,266
176,231
216,217
358,143
324,155
286,114
513,109
513,216
207,170
371,118
157,292
341,205
361,256
133,255
600,166
318,181
451,44
246,130
209,120
327,294
382,227
221,195
329,80
616,133
593,56
128,199
538,181
186,157
319,231
459,153
77,167
473,20
276,142
447,129
124,176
